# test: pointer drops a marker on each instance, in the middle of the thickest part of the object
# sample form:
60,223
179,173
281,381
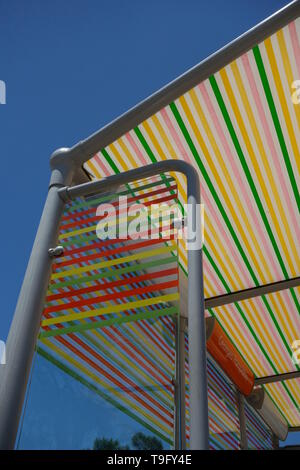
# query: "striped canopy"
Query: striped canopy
239,127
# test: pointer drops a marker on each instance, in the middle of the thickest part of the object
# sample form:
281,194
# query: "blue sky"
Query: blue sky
70,67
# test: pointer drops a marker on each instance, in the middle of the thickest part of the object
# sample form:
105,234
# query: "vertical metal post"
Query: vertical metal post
242,420
26,322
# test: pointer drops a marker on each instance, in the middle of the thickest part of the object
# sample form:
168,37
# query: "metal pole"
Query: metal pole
242,420
26,322
199,430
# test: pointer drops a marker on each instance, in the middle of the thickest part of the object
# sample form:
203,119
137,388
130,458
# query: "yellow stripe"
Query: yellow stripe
111,309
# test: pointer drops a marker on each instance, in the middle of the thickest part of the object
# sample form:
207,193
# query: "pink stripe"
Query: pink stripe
237,172
271,146
137,151
295,44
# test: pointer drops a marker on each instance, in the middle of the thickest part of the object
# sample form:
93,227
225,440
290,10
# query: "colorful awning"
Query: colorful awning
240,128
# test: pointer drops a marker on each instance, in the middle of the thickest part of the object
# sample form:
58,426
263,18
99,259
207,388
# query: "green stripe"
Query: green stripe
276,122
114,273
103,395
251,183
112,321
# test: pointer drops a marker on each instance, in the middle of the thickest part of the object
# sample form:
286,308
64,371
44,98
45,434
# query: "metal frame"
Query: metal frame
25,326
245,294
199,431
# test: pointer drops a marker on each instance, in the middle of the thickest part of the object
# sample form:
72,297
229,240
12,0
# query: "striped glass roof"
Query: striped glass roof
240,128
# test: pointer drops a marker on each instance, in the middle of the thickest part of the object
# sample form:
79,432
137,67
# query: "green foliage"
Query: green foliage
107,444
